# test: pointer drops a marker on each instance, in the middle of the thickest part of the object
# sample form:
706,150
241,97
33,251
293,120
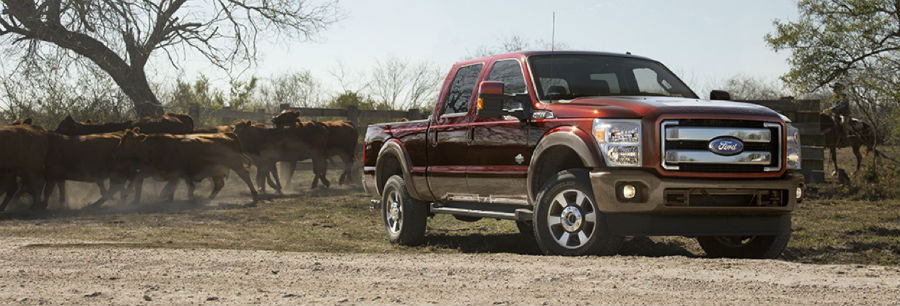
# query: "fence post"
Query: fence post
414,114
194,112
353,115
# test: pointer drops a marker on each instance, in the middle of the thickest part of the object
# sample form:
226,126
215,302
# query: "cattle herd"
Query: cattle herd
118,156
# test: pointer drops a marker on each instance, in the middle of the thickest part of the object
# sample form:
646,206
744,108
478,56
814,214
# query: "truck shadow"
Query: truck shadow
518,244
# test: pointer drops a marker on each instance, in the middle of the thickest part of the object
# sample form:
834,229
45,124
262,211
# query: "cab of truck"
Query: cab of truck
584,148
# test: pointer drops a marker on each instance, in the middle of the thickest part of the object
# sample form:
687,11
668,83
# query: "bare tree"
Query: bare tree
119,36
299,89
744,87
402,85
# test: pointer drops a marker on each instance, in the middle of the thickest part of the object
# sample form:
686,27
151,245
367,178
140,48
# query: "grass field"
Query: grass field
340,220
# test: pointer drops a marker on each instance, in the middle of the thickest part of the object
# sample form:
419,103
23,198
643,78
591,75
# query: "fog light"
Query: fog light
799,192
628,191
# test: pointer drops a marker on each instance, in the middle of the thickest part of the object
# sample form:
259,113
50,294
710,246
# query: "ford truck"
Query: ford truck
582,149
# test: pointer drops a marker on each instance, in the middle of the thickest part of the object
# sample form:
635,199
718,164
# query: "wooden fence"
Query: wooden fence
803,113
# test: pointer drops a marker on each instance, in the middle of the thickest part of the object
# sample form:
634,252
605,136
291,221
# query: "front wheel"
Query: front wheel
404,217
567,220
761,247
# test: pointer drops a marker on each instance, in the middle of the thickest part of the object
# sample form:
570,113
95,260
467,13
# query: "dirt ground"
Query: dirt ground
42,272
325,246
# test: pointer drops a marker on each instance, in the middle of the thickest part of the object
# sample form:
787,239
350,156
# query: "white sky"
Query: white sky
704,41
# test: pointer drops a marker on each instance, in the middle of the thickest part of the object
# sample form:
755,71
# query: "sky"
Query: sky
704,41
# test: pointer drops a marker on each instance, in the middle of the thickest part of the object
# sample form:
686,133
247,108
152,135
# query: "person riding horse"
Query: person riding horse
840,109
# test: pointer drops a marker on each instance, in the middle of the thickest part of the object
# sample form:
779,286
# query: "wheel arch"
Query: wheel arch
393,160
560,149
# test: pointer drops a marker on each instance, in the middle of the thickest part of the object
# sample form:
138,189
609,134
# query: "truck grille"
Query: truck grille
686,146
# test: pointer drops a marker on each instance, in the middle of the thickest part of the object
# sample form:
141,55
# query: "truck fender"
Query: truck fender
569,137
394,149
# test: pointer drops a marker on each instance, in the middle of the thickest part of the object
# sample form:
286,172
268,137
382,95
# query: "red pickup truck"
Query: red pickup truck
584,148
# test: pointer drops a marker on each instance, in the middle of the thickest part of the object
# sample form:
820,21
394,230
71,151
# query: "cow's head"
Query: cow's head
131,147
67,125
286,118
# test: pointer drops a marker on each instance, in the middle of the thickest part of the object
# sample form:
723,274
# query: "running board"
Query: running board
482,210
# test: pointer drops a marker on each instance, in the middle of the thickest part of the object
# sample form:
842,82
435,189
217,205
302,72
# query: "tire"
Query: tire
403,217
760,247
576,231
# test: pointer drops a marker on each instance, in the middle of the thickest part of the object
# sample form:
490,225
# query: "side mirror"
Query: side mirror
490,99
719,95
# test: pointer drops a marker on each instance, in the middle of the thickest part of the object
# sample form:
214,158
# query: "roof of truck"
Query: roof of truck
547,52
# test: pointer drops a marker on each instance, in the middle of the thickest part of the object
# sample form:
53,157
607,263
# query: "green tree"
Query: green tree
351,98
835,39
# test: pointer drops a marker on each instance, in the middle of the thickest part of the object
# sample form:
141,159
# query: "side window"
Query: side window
510,73
457,100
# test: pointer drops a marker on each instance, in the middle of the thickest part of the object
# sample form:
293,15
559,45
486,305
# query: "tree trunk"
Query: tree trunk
133,82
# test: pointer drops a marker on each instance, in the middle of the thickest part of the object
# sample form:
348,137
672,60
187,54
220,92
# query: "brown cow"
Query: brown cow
24,154
267,146
190,157
171,123
286,118
342,139
85,158
214,129
8,187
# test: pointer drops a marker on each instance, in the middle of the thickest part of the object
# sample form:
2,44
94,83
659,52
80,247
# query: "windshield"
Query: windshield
569,76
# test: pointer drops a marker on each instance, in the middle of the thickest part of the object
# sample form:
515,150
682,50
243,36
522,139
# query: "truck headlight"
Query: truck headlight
619,141
793,147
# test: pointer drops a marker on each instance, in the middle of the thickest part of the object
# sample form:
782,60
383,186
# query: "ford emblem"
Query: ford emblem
726,146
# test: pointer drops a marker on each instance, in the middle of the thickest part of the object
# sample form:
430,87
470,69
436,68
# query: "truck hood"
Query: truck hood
643,107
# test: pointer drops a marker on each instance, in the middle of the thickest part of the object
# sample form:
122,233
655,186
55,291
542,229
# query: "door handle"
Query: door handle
434,139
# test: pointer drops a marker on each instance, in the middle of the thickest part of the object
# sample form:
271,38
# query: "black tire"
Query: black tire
526,228
587,234
407,227
760,247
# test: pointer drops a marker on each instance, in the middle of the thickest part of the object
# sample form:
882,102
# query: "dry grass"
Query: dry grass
339,220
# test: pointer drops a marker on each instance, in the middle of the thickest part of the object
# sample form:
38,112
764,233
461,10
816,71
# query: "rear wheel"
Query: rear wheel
404,217
762,247
567,220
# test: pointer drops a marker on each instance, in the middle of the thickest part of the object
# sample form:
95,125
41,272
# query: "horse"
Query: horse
861,134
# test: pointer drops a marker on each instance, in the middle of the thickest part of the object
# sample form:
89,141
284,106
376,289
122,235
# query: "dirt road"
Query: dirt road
44,272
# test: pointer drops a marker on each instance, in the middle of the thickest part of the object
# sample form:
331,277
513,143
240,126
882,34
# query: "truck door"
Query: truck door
449,136
498,154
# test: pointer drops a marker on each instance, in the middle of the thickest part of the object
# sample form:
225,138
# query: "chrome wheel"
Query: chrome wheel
571,218
394,214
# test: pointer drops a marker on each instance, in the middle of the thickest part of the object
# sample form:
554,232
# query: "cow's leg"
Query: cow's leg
10,194
320,169
348,169
61,185
218,183
168,192
273,179
105,194
245,176
33,185
261,174
138,183
287,169
191,186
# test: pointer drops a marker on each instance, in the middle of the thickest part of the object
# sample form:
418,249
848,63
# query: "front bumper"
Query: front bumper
653,217
604,184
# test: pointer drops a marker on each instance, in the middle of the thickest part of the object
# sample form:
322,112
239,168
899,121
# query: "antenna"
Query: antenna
553,34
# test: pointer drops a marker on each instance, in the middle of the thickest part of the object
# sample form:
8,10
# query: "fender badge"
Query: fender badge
520,159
